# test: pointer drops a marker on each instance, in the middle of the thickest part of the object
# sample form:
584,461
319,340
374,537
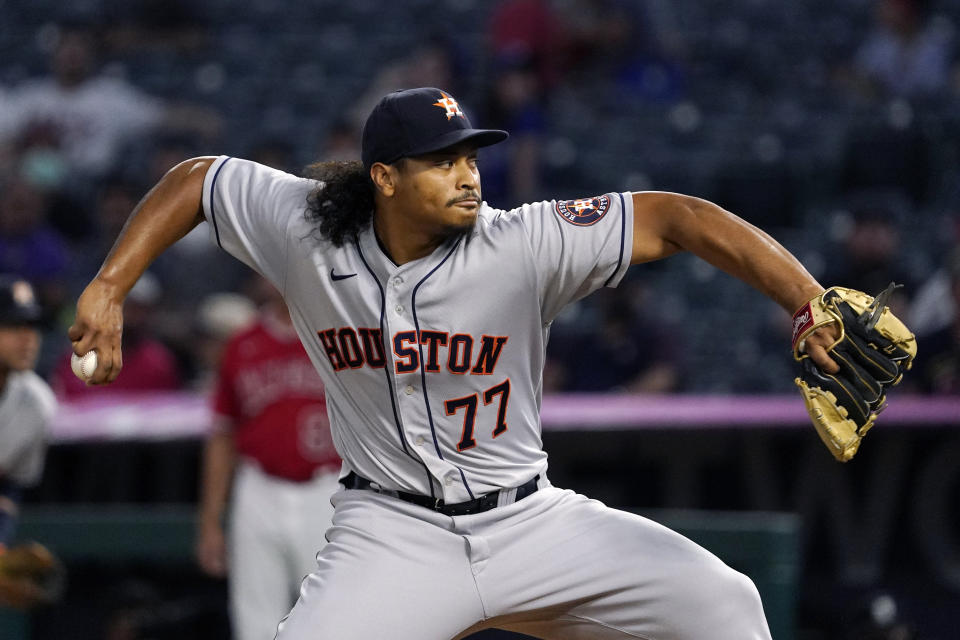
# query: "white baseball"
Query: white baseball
84,366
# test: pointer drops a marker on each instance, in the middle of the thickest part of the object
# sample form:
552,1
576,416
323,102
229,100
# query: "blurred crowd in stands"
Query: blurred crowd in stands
831,124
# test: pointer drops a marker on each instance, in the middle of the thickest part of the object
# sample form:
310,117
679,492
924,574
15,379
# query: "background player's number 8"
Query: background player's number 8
469,404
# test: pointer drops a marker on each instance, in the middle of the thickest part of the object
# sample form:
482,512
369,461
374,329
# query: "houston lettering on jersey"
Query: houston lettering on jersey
459,353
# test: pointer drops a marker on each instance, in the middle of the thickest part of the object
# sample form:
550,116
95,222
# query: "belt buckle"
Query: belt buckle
436,504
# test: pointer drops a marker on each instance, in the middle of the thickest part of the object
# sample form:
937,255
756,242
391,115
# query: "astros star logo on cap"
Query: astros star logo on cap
448,104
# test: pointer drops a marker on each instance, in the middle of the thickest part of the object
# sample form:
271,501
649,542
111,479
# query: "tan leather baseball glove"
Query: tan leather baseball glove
873,351
30,575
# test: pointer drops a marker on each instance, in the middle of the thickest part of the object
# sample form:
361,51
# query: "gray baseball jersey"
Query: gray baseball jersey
26,407
433,379
432,368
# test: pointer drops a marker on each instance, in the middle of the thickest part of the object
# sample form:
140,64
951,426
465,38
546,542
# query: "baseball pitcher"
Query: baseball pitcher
427,313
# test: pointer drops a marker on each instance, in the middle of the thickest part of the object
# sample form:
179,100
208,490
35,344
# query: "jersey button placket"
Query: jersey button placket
411,407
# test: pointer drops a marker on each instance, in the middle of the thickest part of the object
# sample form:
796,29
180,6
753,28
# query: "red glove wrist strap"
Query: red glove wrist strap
802,322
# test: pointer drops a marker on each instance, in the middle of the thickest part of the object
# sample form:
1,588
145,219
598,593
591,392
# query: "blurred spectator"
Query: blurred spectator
877,617
87,118
37,158
219,316
26,403
115,199
529,30
342,142
28,245
938,353
173,26
894,154
148,364
274,152
511,173
6,123
933,306
762,192
623,349
599,35
906,54
868,258
432,64
615,42
164,152
195,254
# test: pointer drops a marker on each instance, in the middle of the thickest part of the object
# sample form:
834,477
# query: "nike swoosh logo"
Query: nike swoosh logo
335,277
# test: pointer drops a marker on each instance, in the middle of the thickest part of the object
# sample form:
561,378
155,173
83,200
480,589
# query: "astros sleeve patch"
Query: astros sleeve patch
578,245
584,211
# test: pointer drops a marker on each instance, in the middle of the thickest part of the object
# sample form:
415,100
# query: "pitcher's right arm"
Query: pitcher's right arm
167,213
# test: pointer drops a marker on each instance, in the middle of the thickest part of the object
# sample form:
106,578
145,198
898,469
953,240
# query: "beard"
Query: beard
456,231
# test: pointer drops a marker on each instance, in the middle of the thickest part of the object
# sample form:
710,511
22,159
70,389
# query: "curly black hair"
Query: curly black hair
343,205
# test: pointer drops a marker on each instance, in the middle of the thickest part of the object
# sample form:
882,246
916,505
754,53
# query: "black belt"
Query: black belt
477,505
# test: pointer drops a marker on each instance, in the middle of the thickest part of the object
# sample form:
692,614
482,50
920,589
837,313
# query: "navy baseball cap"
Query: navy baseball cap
413,122
18,304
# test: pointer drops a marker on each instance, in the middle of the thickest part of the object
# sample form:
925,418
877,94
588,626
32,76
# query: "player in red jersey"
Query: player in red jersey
271,441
